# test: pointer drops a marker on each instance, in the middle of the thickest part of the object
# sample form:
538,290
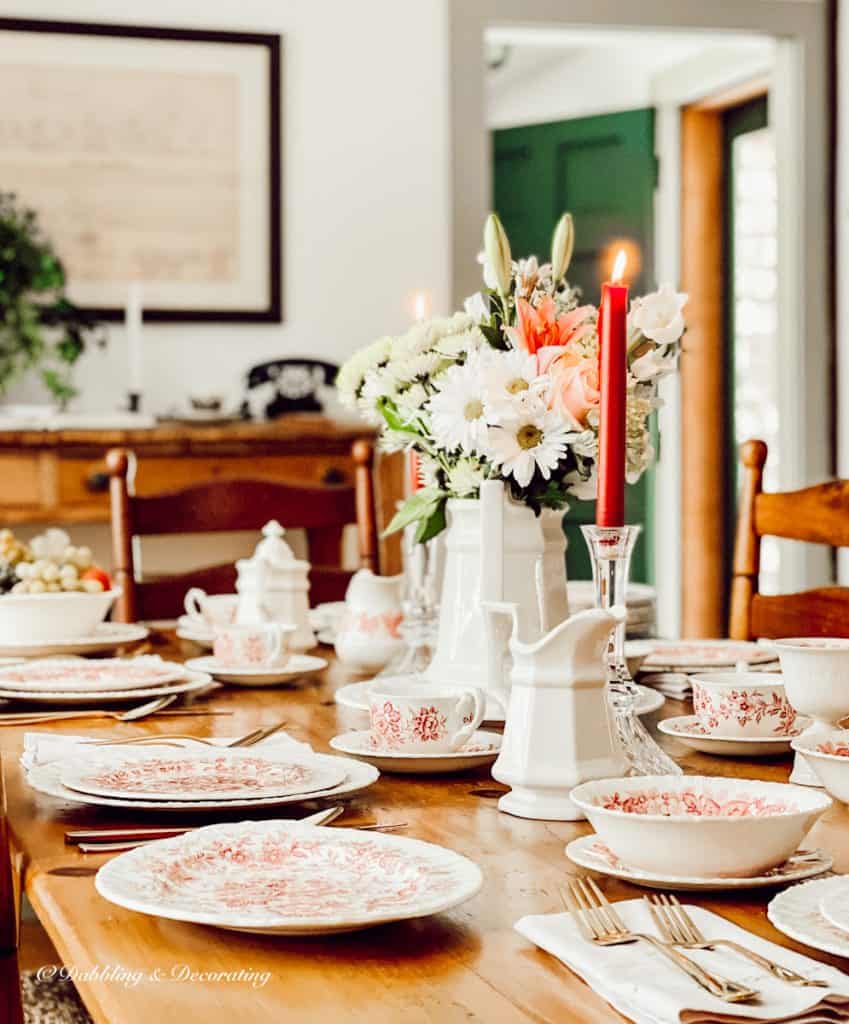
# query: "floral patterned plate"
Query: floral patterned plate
47,779
482,749
286,878
687,730
69,675
298,666
688,655
796,912
591,853
190,683
162,773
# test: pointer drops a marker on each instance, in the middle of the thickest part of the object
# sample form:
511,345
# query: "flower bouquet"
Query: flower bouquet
509,388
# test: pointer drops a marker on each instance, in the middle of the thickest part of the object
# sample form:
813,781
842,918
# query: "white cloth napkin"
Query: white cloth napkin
642,984
45,747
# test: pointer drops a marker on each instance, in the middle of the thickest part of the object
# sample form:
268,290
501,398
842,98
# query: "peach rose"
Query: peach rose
574,390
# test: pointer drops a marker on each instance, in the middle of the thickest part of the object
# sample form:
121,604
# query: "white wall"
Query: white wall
366,203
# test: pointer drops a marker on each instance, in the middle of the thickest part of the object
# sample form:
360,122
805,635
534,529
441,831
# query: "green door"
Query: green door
603,169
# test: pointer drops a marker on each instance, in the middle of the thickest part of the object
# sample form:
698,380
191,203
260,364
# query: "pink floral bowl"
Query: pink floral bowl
829,757
700,826
731,705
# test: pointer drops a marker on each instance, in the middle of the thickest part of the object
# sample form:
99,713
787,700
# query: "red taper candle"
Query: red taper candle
613,340
415,480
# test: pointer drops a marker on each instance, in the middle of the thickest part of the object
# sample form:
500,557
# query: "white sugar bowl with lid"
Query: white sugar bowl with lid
273,586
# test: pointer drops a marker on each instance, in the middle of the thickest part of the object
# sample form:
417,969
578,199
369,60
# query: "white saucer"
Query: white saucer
356,744
106,637
298,666
591,853
796,913
354,696
686,730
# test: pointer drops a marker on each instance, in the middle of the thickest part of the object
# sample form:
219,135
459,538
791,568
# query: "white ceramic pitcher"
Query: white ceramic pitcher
495,550
558,730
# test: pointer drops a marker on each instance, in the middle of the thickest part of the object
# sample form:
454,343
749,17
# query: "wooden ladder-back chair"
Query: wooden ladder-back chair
10,982
246,504
819,515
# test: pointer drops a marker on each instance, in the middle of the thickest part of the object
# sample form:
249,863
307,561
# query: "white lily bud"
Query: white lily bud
497,248
562,244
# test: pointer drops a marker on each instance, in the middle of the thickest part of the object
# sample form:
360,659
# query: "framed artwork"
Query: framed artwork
151,156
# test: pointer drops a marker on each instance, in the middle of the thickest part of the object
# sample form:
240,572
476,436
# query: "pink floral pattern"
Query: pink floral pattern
690,727
196,777
261,871
387,623
391,728
835,749
744,707
691,803
106,673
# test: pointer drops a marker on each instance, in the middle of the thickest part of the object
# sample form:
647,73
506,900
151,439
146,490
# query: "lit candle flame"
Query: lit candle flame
618,266
420,307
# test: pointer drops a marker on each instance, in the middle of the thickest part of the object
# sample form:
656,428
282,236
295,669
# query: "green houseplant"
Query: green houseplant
40,328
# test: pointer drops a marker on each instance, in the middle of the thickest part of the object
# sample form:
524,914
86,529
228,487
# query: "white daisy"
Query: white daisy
534,440
464,478
511,381
457,409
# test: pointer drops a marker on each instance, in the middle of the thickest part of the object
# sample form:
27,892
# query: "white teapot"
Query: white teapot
369,636
273,586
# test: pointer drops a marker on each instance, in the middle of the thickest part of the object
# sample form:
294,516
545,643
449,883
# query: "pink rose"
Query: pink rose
574,390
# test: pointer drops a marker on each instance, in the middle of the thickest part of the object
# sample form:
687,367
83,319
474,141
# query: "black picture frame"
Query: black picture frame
273,313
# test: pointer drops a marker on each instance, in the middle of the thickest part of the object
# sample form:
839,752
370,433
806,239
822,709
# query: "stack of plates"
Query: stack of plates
105,637
108,680
284,878
189,628
670,663
640,599
190,779
816,913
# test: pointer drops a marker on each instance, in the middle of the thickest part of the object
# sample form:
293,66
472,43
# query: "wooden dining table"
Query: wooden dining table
466,965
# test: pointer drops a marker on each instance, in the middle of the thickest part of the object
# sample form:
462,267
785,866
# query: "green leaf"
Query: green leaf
393,419
434,524
419,506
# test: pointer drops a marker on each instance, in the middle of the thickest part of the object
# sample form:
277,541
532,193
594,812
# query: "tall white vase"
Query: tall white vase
534,579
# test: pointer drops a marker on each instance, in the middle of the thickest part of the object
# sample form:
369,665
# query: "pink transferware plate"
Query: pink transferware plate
67,675
161,773
46,779
688,730
286,878
672,655
192,682
591,853
481,750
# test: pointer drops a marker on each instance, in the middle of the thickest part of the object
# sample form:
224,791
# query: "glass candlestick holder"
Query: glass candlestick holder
419,605
610,551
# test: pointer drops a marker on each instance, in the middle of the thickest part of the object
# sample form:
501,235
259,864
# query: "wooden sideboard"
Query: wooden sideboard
59,477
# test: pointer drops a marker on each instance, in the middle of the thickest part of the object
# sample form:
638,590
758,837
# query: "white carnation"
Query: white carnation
464,478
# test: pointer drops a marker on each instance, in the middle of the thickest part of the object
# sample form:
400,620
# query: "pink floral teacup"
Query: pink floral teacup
423,718
743,705
259,646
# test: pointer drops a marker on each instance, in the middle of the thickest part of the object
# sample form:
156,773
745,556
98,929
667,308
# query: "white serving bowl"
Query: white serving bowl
50,618
832,769
743,705
699,826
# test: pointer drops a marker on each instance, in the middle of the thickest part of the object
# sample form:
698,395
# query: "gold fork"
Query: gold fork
598,922
678,927
248,740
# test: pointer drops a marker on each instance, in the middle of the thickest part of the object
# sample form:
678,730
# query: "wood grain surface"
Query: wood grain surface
467,965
